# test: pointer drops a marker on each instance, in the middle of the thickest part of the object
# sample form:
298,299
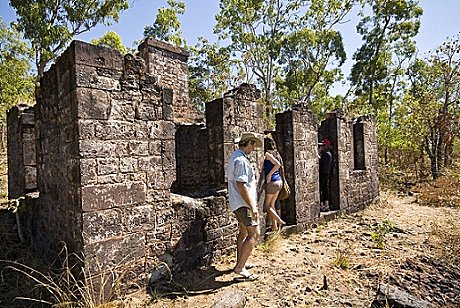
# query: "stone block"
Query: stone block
91,55
30,175
106,255
139,218
94,78
101,225
107,166
99,197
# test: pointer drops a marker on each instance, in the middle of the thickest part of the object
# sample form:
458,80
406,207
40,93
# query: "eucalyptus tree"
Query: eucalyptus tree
391,24
289,47
312,54
167,26
16,81
256,31
50,25
110,39
435,85
211,72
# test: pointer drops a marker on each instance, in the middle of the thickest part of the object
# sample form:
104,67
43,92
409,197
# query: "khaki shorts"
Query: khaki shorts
244,217
273,187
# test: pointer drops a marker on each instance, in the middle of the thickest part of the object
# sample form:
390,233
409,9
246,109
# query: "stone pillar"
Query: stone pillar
106,157
226,119
169,64
297,131
22,169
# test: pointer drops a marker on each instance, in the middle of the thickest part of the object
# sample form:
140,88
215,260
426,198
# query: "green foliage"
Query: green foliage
312,53
112,40
341,261
16,82
50,25
209,72
167,25
378,236
392,25
289,48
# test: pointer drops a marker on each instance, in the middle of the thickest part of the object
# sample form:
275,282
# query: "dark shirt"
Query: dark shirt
325,162
268,165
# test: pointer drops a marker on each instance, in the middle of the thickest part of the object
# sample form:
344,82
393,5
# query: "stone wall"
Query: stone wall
297,134
22,172
169,64
110,141
106,161
192,160
226,119
352,186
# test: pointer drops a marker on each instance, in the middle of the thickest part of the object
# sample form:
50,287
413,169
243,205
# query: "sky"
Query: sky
441,19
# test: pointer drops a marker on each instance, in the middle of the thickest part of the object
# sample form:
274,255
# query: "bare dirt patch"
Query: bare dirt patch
337,264
343,263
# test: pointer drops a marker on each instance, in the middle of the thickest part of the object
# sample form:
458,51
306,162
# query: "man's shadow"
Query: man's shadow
192,272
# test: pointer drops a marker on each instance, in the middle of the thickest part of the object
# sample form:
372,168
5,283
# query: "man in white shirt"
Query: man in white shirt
242,192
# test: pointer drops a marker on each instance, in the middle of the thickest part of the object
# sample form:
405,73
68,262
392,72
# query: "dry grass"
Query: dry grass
445,238
272,243
445,191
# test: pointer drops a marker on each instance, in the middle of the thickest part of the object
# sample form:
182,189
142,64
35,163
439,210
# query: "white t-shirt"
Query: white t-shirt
239,169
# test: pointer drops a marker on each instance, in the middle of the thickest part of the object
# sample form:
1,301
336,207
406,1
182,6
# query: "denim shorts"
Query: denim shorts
244,217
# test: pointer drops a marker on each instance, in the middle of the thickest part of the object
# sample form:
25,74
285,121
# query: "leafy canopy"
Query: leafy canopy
50,25
110,39
166,26
16,82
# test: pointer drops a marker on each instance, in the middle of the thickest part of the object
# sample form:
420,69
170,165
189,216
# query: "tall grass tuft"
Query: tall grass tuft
71,285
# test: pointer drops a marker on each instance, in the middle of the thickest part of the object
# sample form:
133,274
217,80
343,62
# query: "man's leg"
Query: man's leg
239,241
246,249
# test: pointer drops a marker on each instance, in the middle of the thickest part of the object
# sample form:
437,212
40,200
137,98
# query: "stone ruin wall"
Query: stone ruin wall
22,168
297,142
111,139
106,162
169,64
358,186
351,188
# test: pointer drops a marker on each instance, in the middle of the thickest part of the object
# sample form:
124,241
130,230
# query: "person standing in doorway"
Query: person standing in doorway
325,169
242,197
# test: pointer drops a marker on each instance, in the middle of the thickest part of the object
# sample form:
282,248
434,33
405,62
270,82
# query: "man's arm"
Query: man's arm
245,195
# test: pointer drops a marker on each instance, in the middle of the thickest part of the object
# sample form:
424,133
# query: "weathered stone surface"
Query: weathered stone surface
109,144
169,63
102,197
394,297
22,174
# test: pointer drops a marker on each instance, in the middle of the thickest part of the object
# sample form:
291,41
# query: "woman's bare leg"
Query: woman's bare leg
273,215
280,221
267,204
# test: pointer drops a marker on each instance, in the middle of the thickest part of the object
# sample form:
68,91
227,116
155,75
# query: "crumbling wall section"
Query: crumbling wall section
106,164
169,64
297,132
362,184
22,172
226,119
